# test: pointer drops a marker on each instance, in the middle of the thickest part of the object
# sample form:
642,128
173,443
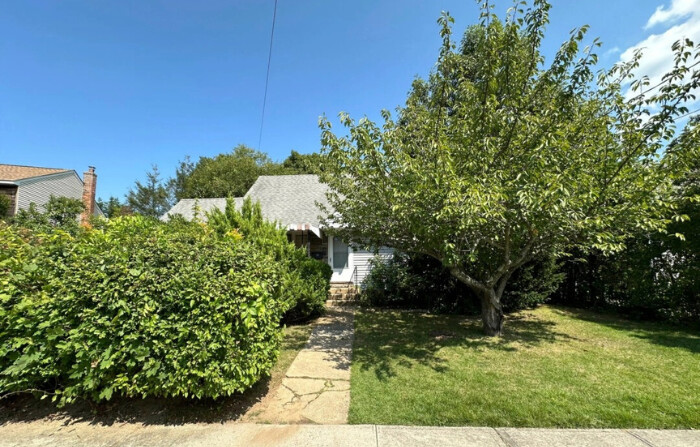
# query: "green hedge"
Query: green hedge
306,282
136,307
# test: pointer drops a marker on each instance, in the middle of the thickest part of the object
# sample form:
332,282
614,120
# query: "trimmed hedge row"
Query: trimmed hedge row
136,307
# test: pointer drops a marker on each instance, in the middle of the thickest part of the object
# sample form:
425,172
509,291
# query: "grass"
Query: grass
166,411
555,367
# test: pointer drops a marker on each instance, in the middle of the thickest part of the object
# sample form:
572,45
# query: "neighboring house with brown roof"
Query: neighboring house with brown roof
31,184
290,200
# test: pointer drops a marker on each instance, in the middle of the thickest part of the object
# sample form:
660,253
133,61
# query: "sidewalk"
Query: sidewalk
316,387
253,435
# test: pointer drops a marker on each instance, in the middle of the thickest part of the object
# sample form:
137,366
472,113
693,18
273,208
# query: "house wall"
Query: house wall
38,190
11,192
317,248
362,258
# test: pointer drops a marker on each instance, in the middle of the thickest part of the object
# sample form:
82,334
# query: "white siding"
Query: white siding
39,190
361,261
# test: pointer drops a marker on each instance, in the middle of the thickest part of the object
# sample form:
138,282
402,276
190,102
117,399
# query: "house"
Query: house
291,201
31,184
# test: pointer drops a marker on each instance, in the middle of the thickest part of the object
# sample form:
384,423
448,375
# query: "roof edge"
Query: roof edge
45,176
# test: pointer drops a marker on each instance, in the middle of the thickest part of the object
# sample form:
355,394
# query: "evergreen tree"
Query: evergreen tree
152,198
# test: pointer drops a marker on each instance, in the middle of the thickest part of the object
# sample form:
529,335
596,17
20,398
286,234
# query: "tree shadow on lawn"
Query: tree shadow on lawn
151,410
659,333
403,338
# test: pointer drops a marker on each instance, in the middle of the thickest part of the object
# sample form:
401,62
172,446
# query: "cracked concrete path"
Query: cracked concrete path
316,387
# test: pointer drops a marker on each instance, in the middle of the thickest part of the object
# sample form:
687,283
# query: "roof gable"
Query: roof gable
289,199
17,172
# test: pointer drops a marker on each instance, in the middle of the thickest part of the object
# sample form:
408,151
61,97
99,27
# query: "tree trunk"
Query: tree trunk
491,313
491,310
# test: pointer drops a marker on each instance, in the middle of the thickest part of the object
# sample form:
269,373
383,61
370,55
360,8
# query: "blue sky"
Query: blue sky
122,85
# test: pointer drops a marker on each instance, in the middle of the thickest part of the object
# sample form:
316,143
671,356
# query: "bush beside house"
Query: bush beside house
137,307
421,282
306,281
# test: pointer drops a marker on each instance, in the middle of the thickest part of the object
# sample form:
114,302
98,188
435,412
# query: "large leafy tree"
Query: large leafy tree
298,163
232,174
497,158
226,175
151,198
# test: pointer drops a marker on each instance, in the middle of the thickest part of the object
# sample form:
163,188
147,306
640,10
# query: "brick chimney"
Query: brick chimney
89,185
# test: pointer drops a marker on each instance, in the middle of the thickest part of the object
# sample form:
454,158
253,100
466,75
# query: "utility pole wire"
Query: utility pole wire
267,77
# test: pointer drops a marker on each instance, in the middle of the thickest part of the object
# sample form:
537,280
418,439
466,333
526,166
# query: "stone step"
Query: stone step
343,292
342,295
341,303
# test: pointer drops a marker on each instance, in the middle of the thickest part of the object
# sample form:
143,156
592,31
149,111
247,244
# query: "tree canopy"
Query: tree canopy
497,158
232,174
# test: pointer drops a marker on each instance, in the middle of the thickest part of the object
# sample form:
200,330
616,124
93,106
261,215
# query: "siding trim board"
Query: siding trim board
41,178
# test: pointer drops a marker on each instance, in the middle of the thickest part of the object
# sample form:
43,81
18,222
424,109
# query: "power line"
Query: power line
267,77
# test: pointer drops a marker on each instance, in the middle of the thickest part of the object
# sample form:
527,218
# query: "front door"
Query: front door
340,259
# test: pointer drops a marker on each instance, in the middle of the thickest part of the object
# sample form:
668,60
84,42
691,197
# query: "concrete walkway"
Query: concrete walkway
316,387
253,435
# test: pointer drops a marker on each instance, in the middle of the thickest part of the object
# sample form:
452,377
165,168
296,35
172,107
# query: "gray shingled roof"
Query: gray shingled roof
185,207
287,199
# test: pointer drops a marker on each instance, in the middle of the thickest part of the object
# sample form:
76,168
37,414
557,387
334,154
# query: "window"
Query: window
340,253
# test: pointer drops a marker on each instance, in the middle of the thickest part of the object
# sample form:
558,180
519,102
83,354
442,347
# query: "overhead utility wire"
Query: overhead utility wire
267,77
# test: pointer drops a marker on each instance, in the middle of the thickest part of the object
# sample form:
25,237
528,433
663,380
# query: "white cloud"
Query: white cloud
611,51
678,9
680,20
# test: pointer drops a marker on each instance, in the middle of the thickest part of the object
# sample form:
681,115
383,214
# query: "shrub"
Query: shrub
306,281
136,308
5,204
657,275
418,281
307,286
532,284
60,212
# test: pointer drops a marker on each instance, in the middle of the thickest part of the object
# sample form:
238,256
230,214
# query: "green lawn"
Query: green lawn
555,367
